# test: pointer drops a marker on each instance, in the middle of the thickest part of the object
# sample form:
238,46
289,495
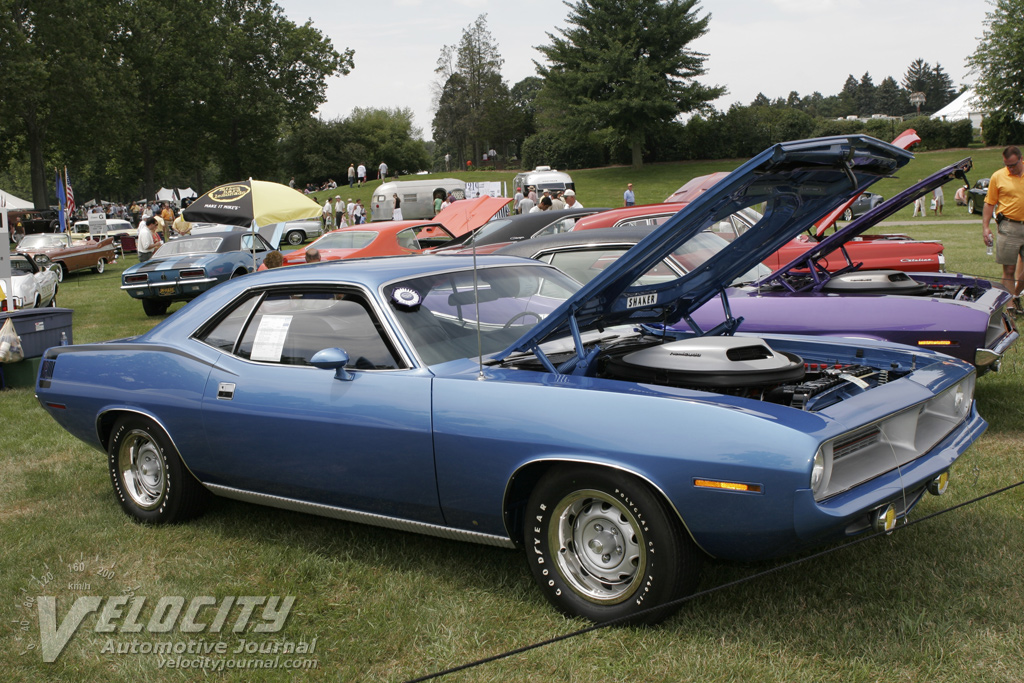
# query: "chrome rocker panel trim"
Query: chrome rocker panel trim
347,515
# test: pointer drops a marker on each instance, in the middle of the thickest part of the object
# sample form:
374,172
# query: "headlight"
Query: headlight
818,471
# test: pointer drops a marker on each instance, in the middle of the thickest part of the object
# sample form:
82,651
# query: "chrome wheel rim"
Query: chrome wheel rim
100,265
142,469
595,541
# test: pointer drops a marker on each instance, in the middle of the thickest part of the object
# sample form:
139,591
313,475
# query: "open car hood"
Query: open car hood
837,241
904,140
466,215
798,182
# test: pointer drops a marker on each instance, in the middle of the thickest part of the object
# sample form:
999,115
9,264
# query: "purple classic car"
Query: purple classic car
959,315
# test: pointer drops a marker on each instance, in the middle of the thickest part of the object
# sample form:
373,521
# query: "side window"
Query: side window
248,241
407,239
290,327
224,334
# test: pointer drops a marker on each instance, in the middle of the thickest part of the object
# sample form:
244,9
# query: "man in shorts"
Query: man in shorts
1005,201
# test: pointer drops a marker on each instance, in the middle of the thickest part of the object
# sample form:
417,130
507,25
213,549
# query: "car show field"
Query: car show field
939,600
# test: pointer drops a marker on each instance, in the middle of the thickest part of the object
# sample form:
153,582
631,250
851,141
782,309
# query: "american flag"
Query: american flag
70,193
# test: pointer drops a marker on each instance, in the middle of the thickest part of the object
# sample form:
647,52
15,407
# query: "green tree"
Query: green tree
625,64
890,99
866,92
56,82
848,96
999,61
270,73
472,109
940,89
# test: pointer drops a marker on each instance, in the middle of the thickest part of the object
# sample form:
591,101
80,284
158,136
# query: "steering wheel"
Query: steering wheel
521,314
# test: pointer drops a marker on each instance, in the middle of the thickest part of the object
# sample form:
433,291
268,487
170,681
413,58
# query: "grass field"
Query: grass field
942,600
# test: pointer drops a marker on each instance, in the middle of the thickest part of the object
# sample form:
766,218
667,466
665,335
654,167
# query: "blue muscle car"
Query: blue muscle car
185,267
498,401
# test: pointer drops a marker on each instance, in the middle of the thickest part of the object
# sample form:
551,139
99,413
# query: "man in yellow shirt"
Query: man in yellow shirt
1005,201
168,215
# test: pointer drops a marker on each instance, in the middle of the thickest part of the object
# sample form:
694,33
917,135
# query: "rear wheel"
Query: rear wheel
100,265
295,237
602,545
155,306
970,205
149,477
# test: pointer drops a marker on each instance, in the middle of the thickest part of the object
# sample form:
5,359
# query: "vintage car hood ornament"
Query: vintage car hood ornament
797,182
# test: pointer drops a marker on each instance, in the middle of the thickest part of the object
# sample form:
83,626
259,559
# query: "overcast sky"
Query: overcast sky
768,46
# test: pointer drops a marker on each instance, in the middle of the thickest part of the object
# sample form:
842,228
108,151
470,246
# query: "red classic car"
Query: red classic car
72,255
875,252
395,238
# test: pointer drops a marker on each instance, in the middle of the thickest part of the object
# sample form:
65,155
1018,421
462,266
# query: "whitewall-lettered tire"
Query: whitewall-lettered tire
149,478
602,546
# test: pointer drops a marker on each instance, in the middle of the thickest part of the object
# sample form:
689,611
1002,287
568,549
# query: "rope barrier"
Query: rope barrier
709,591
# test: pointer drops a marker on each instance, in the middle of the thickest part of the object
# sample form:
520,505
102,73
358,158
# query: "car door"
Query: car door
277,425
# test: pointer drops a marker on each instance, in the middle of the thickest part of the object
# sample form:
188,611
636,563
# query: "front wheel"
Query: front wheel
149,477
295,238
602,546
848,215
970,205
62,272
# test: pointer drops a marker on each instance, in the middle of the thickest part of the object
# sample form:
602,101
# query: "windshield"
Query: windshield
41,241
439,312
195,245
489,228
703,246
347,239
20,265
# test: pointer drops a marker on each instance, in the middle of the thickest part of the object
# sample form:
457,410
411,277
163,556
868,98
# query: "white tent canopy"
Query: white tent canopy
9,201
166,195
966,106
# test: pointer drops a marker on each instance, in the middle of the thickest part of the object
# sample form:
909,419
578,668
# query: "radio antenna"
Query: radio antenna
479,338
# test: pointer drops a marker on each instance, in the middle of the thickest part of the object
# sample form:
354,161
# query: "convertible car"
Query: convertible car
185,267
71,255
504,403
959,315
33,283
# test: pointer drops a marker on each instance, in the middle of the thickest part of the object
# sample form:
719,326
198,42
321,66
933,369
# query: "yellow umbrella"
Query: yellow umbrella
251,203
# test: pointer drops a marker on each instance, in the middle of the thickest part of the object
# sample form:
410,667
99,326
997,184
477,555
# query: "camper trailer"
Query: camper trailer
417,197
543,178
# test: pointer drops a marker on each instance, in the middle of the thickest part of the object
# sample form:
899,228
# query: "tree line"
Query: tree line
625,74
128,91
125,92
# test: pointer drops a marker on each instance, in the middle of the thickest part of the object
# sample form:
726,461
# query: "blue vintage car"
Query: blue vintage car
185,267
498,401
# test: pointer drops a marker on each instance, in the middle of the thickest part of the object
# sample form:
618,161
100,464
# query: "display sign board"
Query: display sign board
97,223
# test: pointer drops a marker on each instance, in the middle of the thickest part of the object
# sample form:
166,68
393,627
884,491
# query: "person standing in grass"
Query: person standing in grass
1005,201
628,198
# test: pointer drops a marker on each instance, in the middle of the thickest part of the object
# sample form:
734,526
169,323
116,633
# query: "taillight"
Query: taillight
135,279
191,273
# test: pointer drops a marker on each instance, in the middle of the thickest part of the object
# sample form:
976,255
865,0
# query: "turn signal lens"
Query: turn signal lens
727,485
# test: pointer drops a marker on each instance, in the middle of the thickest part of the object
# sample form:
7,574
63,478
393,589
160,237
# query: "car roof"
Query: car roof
524,225
529,248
